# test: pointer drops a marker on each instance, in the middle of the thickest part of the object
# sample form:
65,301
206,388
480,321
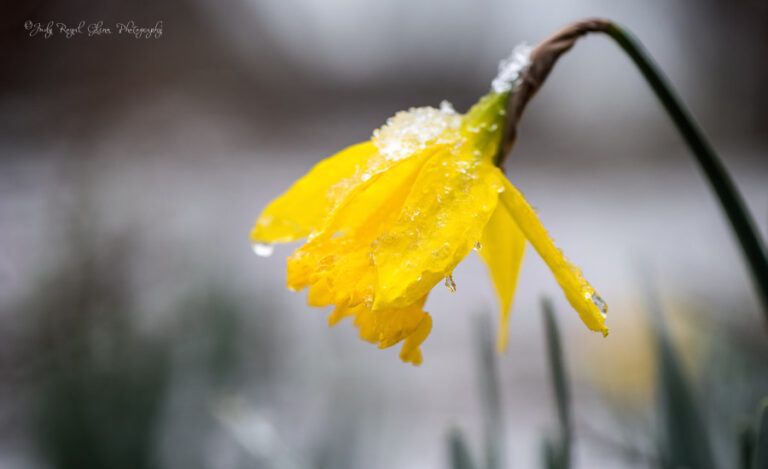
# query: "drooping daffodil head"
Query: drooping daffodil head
388,219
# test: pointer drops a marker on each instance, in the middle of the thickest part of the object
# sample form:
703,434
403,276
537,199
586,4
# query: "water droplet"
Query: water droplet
477,246
262,249
365,177
450,284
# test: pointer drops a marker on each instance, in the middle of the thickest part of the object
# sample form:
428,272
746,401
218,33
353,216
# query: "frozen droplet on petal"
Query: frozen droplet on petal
262,249
597,301
450,284
511,68
365,177
600,303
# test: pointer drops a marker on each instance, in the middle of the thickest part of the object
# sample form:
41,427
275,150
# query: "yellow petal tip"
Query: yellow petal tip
413,357
502,340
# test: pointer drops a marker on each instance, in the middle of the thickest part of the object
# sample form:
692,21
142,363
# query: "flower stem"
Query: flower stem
712,166
543,58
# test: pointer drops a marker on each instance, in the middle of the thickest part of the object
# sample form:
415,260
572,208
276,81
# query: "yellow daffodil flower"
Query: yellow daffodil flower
388,219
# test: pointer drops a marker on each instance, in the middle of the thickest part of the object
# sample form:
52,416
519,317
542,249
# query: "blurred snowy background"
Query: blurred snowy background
137,329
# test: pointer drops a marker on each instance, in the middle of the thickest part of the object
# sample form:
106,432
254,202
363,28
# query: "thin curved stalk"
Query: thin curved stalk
546,54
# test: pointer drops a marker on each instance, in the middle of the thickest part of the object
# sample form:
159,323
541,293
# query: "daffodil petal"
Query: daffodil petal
442,219
580,294
303,207
336,262
388,327
411,351
501,247
394,325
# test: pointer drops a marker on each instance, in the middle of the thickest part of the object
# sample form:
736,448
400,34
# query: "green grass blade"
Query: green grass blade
684,439
746,447
760,460
558,455
458,451
491,400
549,454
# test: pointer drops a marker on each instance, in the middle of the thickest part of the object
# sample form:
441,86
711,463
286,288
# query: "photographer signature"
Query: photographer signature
98,28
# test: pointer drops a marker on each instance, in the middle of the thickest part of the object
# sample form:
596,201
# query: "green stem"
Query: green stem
543,59
711,165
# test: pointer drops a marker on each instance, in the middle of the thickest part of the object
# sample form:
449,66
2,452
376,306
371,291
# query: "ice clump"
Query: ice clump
409,131
511,68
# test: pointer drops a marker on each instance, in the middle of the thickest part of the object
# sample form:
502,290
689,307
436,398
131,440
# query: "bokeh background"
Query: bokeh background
138,330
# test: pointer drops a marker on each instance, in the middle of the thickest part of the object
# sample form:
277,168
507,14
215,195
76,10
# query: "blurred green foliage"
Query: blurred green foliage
99,386
682,429
106,384
683,434
96,384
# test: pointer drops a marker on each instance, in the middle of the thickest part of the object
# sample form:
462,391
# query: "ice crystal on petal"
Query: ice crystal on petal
597,301
600,303
410,131
450,284
447,106
511,68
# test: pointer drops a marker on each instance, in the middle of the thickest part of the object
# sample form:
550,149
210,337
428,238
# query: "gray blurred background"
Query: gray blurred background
137,329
